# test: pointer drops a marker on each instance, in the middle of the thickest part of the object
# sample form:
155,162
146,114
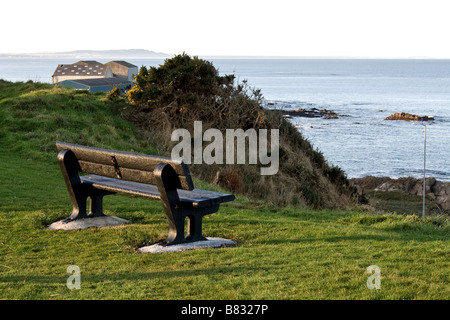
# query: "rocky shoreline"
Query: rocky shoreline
308,113
288,110
438,191
329,114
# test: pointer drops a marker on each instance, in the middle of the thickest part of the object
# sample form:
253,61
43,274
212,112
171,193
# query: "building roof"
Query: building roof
96,85
81,68
101,81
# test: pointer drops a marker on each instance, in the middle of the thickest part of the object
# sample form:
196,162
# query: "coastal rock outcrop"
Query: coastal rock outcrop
437,190
409,117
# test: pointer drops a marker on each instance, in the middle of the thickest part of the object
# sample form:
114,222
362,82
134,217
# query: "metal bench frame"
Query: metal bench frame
152,177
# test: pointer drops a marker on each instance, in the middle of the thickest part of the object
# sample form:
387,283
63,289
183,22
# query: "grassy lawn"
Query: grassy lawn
282,253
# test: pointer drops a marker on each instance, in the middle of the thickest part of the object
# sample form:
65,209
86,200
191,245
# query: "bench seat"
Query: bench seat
195,198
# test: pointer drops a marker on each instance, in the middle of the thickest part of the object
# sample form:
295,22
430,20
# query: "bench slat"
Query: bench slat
196,198
126,174
99,161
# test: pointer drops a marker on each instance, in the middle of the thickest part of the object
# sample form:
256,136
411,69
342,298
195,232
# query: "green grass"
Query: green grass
282,253
286,253
34,116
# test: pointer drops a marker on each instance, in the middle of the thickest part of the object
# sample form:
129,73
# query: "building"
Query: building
95,76
81,70
123,68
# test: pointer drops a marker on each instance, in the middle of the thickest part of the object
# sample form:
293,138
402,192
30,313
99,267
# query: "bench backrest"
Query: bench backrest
125,165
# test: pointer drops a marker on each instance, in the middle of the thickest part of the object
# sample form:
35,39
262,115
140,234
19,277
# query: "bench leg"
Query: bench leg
96,204
78,193
79,202
176,218
176,213
175,221
194,227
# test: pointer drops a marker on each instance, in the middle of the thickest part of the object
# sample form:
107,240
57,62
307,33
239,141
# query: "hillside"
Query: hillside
290,252
35,115
187,90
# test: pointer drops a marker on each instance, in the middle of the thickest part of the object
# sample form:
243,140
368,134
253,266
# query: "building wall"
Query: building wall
57,79
121,70
132,72
118,69
104,88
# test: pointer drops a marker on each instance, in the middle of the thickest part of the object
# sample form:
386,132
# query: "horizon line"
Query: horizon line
232,56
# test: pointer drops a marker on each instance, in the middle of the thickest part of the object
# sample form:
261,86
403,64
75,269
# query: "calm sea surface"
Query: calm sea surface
365,91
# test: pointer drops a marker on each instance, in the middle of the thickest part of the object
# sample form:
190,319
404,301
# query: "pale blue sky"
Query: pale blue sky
378,28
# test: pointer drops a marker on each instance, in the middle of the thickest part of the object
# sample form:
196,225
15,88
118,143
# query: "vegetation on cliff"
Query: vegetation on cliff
186,89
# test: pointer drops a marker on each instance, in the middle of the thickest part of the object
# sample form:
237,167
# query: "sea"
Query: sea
362,91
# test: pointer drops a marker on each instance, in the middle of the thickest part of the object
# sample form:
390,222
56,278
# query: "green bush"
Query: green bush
181,78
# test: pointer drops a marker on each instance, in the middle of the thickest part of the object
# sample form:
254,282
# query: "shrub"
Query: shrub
114,93
182,79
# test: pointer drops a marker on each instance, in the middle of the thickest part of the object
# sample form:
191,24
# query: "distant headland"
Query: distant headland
123,53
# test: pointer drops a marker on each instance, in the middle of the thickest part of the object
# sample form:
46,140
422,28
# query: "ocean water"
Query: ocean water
363,91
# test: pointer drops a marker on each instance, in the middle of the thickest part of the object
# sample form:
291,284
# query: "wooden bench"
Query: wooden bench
140,175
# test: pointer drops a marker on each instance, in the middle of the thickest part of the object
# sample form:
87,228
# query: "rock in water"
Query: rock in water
409,117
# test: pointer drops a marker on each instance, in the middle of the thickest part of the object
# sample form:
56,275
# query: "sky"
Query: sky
322,28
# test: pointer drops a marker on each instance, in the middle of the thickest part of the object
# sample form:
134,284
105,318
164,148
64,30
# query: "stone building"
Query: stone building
81,70
95,76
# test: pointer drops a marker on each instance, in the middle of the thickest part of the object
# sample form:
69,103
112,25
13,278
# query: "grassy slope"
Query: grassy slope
34,116
283,253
